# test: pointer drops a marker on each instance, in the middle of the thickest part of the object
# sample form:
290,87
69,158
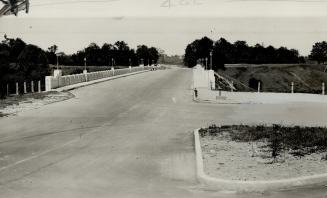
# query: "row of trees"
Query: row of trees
109,54
224,52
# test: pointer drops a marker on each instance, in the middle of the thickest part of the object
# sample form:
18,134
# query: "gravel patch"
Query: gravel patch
15,104
246,161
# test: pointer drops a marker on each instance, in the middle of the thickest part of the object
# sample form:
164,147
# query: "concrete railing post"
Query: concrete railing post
85,73
39,86
231,88
259,87
130,69
25,89
17,89
323,88
32,86
113,70
292,87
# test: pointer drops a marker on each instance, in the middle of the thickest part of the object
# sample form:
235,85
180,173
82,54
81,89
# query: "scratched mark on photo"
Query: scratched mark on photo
175,3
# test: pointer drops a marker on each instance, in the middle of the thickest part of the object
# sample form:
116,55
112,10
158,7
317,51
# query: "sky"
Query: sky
169,24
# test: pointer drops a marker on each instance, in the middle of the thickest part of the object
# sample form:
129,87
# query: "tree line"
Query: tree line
21,62
108,54
224,52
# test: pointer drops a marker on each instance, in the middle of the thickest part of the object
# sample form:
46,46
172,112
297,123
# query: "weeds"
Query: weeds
300,141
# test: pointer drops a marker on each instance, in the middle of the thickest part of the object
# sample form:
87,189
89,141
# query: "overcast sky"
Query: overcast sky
169,25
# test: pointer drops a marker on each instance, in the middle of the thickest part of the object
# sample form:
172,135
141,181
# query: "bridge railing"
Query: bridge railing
57,81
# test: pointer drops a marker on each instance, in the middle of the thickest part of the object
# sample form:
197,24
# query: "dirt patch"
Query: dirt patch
15,104
227,158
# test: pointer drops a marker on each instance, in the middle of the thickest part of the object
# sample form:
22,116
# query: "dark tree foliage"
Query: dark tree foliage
148,55
51,54
198,49
319,52
32,63
225,52
118,54
20,62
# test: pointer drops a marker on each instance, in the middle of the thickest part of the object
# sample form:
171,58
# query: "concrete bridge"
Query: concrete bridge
130,137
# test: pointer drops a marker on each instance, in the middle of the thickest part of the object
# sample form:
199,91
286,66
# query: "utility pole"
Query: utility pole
206,63
211,60
85,63
57,61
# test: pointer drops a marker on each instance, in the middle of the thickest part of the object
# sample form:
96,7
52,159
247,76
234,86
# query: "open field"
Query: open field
277,78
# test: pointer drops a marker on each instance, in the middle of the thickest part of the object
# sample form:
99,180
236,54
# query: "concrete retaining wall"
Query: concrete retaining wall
54,82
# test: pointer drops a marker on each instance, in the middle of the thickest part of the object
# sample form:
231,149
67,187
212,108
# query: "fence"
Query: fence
53,82
17,88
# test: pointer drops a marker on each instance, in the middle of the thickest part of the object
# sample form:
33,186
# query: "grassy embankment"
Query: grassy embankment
277,78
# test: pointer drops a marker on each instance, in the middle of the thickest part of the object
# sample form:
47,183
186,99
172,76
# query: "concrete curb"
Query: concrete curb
84,84
217,102
249,186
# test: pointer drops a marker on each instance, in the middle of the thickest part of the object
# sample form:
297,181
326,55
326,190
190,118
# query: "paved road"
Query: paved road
130,137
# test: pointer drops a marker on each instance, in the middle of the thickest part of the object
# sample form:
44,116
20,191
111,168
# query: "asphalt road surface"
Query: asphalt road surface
129,137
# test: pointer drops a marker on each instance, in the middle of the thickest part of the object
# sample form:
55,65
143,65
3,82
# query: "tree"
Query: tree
190,57
51,54
53,48
198,49
319,52
143,53
33,63
154,55
4,67
93,55
241,52
204,47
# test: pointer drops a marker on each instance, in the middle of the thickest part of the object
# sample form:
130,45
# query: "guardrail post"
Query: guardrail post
323,88
25,90
39,86
32,86
231,88
7,90
292,87
17,89
259,86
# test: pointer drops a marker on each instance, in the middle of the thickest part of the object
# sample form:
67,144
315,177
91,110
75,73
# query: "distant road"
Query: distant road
130,137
